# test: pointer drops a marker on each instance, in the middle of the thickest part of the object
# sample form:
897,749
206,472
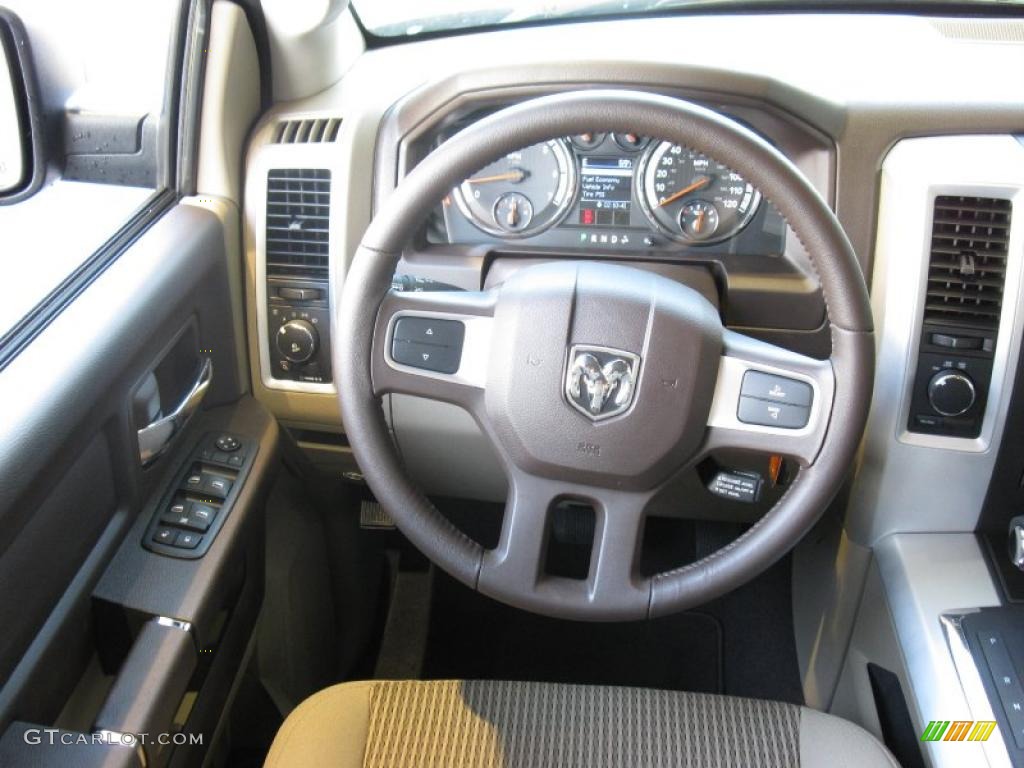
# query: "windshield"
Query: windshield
397,18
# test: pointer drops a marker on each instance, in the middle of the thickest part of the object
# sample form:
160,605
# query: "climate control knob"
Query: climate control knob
297,340
951,393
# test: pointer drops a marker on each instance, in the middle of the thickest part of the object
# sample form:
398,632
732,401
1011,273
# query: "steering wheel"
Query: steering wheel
556,340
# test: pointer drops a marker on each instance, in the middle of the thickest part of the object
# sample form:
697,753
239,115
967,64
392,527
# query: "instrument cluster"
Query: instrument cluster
620,191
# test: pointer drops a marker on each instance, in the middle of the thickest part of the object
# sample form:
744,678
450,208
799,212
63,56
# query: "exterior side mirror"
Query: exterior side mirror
21,163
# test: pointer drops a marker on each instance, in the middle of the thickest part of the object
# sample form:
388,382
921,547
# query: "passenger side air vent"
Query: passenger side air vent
298,213
307,131
967,267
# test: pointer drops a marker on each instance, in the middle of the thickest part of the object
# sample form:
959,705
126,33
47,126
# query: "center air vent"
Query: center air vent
307,131
298,213
967,267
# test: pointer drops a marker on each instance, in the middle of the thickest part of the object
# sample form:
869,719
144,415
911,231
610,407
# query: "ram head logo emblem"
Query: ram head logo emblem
600,381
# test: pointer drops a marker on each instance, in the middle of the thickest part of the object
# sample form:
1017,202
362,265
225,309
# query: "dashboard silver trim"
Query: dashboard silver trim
262,158
950,475
906,220
927,576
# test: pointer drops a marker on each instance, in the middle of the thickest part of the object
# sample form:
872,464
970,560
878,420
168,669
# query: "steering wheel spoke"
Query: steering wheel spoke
434,345
769,399
612,587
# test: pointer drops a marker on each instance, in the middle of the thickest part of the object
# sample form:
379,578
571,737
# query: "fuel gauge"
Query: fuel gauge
513,212
698,219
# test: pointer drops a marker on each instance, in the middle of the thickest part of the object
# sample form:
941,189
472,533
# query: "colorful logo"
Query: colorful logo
958,730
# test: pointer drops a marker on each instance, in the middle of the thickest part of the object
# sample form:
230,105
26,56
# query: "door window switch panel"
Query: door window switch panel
192,510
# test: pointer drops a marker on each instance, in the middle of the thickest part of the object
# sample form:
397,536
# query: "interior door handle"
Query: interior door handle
156,437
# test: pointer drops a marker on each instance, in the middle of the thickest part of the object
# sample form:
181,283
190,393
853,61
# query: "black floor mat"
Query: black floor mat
474,637
741,644
758,645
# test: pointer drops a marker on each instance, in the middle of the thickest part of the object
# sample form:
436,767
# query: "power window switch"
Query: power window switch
194,480
176,514
165,536
216,485
201,516
187,540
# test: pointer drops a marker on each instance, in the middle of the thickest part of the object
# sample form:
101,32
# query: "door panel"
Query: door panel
71,484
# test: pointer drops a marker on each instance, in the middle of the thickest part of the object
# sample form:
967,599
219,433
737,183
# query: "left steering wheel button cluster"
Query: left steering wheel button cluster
774,401
427,343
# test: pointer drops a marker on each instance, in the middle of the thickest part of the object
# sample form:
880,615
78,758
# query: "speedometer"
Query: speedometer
692,198
523,193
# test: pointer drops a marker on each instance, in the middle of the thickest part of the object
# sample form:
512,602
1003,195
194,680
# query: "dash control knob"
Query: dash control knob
951,393
297,340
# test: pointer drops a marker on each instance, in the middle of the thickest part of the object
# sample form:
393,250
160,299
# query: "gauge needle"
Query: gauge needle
698,225
512,213
702,181
517,175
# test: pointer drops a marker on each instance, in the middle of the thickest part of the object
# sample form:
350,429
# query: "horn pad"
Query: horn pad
601,374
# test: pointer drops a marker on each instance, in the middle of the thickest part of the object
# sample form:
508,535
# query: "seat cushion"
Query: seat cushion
483,724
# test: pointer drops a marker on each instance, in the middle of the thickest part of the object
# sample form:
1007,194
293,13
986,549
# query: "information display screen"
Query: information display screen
606,191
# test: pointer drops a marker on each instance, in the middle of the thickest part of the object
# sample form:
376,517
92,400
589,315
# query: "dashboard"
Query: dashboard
895,151
611,192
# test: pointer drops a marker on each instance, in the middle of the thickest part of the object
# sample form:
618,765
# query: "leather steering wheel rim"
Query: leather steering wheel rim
358,351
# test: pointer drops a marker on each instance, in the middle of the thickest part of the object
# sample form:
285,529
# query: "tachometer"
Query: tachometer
692,198
523,193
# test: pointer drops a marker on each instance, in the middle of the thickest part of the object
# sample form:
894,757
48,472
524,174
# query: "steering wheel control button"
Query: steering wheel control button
737,486
426,357
228,443
429,330
767,413
778,389
428,343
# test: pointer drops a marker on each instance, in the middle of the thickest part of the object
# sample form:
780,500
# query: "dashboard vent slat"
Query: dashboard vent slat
307,131
297,225
967,267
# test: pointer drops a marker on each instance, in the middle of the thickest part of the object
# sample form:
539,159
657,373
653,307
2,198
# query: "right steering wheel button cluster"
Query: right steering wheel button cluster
769,400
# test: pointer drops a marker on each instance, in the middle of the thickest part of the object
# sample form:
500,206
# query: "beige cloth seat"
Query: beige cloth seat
406,724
